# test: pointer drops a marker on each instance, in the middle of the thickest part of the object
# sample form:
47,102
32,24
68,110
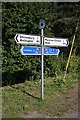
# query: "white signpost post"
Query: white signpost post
43,41
41,26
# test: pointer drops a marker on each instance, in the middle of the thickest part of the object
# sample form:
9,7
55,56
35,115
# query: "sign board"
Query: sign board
51,51
41,24
30,50
34,50
27,39
35,40
56,42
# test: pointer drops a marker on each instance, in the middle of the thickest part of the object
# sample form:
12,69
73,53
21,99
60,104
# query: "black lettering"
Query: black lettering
47,42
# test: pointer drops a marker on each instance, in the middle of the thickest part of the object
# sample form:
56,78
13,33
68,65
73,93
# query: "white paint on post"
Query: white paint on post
42,66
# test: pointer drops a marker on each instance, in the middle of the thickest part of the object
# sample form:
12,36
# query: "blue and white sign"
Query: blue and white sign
34,50
51,51
30,50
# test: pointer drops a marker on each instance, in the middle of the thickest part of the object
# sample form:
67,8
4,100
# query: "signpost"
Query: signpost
34,50
36,40
51,51
41,26
27,39
56,42
30,50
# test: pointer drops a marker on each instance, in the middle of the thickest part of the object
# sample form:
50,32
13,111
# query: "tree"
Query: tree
20,17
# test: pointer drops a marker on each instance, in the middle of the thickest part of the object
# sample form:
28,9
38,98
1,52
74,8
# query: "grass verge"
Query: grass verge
19,99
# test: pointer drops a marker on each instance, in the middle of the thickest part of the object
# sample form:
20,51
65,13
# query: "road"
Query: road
72,115
38,115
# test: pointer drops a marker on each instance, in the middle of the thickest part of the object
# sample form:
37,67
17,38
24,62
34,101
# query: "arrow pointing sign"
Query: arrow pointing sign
27,39
56,42
51,51
30,50
32,39
34,50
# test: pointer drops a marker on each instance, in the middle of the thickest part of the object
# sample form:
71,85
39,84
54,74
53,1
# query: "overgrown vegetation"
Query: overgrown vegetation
24,18
19,99
21,74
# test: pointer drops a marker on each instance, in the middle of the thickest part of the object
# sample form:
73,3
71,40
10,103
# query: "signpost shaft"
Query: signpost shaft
42,66
30,50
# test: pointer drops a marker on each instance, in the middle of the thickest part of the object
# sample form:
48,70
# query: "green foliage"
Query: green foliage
74,62
21,17
53,65
66,27
22,98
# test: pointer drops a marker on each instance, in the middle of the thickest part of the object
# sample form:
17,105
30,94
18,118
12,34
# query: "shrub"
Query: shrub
73,65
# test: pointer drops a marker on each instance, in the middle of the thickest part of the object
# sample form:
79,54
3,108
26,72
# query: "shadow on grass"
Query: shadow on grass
19,89
16,77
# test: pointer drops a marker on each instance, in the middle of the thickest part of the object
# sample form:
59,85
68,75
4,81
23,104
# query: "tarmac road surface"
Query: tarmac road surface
72,115
38,115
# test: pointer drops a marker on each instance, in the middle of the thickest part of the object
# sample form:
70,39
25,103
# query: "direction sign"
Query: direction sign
30,50
27,39
32,39
51,51
34,50
56,42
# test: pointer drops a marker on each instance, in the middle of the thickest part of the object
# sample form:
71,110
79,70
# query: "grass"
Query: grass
0,103
19,99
